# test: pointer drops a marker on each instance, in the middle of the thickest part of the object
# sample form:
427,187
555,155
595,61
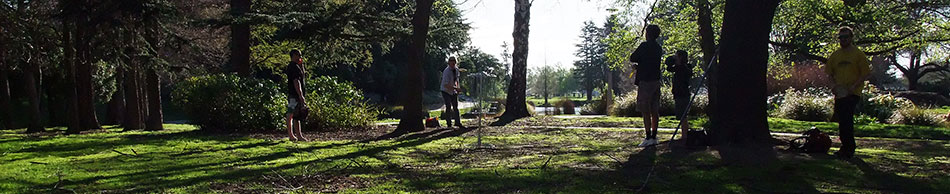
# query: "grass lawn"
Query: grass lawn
940,111
775,125
182,159
552,100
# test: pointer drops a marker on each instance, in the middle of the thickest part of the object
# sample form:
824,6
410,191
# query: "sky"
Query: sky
555,27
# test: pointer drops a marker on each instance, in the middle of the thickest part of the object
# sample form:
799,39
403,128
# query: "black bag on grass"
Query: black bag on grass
696,138
812,141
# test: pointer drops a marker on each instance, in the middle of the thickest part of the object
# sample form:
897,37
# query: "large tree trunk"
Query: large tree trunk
4,91
84,70
913,70
241,39
133,113
142,86
912,80
73,126
31,74
707,37
515,107
707,42
741,125
153,91
412,119
590,92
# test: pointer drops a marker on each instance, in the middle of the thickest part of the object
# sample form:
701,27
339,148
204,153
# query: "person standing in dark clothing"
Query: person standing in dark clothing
682,74
450,88
647,64
295,95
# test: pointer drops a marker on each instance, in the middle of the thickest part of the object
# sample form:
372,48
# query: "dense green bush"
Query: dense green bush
626,105
226,102
805,105
699,105
596,107
667,108
882,106
915,116
335,104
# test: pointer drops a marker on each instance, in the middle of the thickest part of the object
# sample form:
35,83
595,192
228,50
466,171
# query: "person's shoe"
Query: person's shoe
459,125
645,143
653,142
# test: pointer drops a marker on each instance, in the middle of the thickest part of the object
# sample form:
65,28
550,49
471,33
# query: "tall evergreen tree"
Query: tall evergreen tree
590,68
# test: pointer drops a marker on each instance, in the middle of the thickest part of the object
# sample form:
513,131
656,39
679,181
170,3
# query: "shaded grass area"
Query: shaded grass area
512,159
775,125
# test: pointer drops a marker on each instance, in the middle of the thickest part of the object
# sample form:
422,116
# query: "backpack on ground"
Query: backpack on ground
812,141
696,138
432,122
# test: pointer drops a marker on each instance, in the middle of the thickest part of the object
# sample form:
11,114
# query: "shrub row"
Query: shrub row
226,102
815,104
626,105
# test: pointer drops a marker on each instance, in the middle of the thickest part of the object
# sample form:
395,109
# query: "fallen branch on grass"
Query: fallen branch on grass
117,151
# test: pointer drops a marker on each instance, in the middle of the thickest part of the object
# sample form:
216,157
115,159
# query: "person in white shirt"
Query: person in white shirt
450,89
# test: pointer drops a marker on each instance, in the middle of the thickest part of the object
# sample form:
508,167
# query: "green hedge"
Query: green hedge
226,102
804,105
337,104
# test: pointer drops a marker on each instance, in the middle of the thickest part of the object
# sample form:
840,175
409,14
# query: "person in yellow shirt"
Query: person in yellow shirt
848,68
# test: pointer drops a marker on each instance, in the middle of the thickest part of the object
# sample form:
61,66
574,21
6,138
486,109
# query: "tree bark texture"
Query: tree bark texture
241,39
412,119
84,70
515,107
154,93
741,126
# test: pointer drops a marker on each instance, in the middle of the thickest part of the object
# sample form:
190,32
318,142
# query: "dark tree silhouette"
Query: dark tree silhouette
133,109
707,43
31,74
916,68
4,86
73,126
741,127
154,93
84,70
241,38
515,107
412,119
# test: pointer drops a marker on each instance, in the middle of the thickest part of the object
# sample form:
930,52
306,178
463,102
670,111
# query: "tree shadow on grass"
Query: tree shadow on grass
679,169
161,170
891,182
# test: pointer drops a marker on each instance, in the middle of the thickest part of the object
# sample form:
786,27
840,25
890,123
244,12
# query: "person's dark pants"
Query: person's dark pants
451,109
844,110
